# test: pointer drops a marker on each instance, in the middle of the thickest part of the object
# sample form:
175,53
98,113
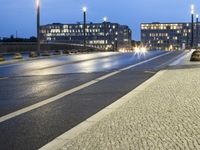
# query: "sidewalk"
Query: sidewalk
163,113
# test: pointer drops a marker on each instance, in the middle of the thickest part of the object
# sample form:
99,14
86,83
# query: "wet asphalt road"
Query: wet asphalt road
27,83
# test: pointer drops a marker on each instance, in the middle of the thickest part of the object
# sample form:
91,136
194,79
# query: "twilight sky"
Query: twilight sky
20,15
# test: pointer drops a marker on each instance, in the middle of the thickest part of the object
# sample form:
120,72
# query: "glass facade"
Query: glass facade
106,35
169,36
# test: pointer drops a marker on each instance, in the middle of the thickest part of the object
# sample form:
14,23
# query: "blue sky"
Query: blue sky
20,15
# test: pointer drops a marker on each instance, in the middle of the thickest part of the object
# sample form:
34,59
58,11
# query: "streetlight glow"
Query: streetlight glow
84,9
105,19
37,3
197,16
192,9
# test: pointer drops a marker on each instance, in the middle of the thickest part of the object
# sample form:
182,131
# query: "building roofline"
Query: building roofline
79,23
167,23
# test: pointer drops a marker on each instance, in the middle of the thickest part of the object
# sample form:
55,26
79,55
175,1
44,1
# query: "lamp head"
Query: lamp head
38,3
84,9
105,19
192,9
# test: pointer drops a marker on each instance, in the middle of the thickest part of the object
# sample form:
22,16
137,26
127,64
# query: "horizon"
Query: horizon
23,14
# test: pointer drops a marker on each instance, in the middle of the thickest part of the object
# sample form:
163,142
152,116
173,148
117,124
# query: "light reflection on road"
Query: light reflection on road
65,65
98,65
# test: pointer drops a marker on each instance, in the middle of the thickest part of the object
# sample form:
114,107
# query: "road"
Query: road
30,123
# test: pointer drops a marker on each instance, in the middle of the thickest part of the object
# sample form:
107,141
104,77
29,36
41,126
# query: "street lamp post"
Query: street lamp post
116,44
38,26
192,26
84,26
197,30
187,40
105,20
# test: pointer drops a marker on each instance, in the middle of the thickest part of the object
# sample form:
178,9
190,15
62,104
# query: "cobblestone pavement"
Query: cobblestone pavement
165,115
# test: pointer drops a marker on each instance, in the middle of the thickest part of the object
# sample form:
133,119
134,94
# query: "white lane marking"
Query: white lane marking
59,96
60,141
151,72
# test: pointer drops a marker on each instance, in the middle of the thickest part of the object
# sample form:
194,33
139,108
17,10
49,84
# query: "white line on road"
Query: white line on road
151,72
61,95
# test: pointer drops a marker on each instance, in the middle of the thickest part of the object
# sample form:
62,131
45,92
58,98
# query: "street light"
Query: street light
84,9
104,21
192,26
38,25
197,30
188,42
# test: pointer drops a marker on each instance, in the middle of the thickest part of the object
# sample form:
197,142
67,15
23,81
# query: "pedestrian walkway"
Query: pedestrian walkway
163,113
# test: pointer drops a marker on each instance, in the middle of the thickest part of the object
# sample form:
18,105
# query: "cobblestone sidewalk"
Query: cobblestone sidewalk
165,115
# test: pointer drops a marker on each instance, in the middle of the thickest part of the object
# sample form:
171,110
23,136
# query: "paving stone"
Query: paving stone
164,116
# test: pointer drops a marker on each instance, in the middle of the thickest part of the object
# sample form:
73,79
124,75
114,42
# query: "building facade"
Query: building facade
169,36
106,35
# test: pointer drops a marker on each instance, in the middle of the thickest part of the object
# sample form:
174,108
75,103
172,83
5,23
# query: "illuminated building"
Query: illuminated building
106,35
168,36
